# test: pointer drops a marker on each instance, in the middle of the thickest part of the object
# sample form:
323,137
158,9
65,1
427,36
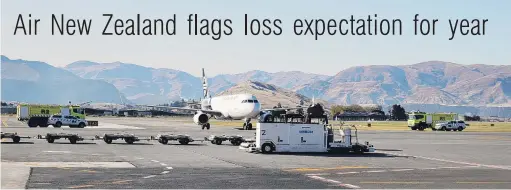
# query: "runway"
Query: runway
409,159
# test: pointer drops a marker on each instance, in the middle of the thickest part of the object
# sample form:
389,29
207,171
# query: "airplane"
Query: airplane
233,107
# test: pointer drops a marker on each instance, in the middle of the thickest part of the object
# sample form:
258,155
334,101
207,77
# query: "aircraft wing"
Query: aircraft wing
212,112
283,109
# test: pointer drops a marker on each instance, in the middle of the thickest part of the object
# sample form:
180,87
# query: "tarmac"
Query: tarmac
405,159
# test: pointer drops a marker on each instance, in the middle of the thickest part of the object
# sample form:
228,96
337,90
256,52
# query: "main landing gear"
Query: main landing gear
206,125
247,125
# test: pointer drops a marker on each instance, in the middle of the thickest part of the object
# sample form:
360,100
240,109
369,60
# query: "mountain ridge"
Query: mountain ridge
429,82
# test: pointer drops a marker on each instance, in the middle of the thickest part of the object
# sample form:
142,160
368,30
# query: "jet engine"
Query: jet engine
200,118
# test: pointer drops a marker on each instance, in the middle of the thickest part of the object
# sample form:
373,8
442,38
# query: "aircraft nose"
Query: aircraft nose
256,109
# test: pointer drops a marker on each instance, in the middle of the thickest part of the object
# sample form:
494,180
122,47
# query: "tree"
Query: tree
398,112
336,109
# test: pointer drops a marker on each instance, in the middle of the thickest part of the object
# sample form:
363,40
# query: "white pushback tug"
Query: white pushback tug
308,132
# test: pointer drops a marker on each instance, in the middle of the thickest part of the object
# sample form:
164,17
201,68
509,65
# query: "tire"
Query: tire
218,142
81,125
414,128
72,140
208,126
443,128
16,139
266,148
50,140
129,140
184,141
249,126
32,124
108,140
58,124
236,142
163,140
460,128
213,142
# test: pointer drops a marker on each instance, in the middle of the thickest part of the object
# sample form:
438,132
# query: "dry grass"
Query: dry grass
395,126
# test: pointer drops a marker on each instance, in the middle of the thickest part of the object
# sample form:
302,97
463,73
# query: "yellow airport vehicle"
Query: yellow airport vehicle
38,114
423,120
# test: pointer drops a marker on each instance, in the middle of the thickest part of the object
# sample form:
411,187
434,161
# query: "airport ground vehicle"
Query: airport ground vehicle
422,120
451,125
235,140
58,120
72,137
14,136
182,139
38,114
128,138
301,134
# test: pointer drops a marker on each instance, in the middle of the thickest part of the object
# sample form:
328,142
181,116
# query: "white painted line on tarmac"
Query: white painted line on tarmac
165,172
400,170
317,174
456,162
57,151
75,164
146,177
342,173
375,171
170,168
335,182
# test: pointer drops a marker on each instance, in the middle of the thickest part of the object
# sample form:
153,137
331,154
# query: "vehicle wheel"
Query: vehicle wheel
460,128
184,141
218,142
58,124
16,139
32,124
108,140
81,125
266,148
444,129
454,129
414,128
50,140
72,140
208,126
163,140
213,142
129,140
249,126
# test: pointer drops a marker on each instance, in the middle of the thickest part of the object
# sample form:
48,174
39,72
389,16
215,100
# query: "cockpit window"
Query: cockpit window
249,101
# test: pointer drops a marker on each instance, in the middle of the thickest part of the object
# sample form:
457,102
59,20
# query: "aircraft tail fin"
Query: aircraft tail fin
205,90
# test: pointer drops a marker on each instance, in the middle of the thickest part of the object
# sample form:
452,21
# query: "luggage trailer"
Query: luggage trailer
14,136
72,137
128,138
182,139
235,140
